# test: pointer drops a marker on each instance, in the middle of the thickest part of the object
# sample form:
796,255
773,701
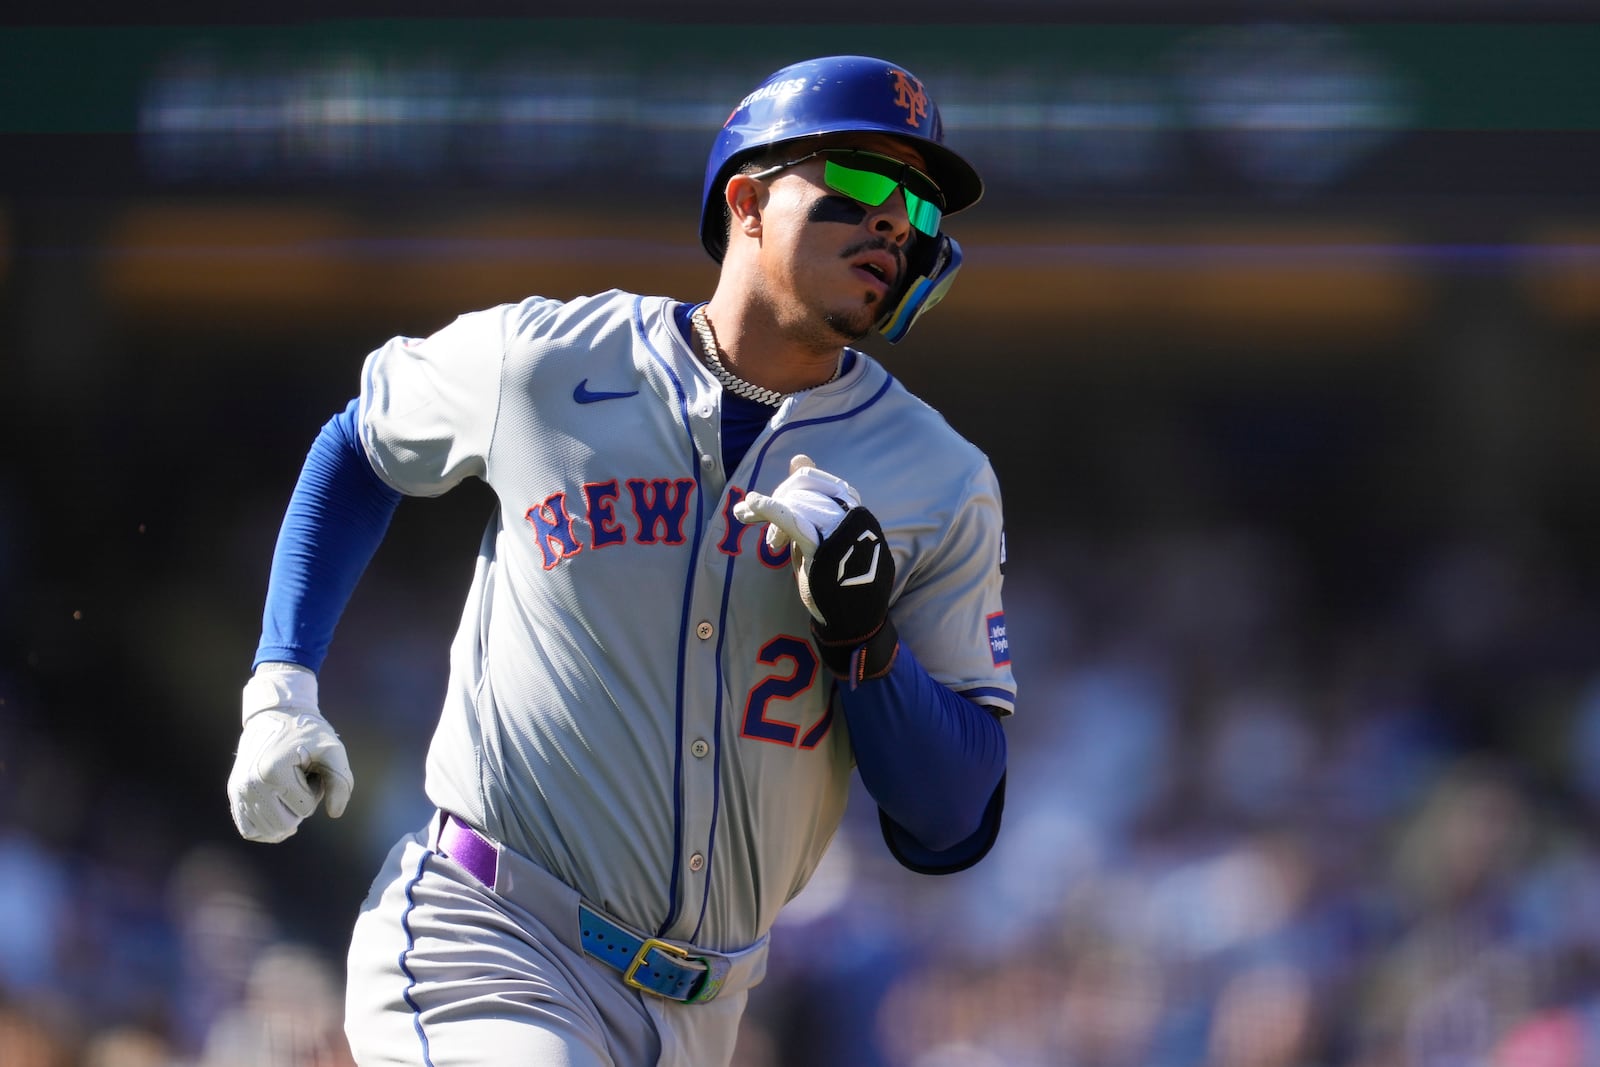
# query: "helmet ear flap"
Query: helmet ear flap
932,269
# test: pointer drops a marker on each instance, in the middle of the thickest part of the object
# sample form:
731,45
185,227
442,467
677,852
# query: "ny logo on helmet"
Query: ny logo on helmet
909,94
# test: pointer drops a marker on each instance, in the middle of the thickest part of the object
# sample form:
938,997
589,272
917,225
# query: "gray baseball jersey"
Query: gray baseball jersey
633,701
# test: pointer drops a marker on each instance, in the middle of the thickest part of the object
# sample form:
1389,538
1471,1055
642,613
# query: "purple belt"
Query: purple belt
661,968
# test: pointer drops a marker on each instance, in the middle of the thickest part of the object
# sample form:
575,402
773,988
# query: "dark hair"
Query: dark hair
759,160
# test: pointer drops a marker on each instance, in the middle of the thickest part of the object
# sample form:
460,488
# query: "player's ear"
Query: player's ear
744,199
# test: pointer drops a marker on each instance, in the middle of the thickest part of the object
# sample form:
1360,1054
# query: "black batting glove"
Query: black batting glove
846,586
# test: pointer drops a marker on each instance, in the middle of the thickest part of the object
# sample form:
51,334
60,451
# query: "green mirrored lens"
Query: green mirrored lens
924,214
862,185
873,189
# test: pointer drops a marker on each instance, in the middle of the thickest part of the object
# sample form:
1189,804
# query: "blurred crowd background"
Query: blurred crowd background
1281,324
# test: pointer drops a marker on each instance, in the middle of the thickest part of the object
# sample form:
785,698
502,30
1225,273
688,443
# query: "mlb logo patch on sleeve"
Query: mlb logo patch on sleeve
999,646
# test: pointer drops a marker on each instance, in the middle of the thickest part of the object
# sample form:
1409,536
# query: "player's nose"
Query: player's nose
889,219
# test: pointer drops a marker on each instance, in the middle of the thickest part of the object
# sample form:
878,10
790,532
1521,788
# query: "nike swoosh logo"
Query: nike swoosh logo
584,395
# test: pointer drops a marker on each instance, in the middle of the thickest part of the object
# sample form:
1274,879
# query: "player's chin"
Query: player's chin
855,323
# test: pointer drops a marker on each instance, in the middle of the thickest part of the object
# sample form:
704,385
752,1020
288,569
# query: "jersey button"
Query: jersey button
696,862
707,462
704,631
700,748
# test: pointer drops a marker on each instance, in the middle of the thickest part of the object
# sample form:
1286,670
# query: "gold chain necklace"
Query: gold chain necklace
731,381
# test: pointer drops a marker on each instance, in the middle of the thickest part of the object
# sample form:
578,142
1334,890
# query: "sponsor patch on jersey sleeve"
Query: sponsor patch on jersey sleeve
999,645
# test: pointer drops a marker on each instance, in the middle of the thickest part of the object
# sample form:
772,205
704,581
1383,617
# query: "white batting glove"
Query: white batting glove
805,507
289,758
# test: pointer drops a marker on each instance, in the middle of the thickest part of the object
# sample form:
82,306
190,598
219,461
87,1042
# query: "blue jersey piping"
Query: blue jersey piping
673,903
722,620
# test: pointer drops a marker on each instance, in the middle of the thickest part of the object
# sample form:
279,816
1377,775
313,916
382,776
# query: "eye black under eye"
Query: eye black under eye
831,208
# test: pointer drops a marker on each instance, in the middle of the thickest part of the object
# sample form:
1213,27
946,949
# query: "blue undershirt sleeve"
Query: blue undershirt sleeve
337,516
933,760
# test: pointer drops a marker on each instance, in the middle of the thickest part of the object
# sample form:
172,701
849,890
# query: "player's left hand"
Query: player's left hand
804,508
842,562
846,586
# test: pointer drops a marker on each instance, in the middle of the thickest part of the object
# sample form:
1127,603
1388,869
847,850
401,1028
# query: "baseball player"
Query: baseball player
732,561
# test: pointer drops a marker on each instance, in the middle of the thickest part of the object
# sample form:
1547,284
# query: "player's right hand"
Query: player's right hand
289,758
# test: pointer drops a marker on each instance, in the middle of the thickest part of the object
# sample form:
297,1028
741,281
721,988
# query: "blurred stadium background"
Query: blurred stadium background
1281,323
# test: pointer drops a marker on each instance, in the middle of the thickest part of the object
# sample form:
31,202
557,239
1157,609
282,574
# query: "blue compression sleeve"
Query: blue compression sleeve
933,760
337,517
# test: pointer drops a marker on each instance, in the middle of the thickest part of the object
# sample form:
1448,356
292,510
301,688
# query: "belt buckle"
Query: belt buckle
704,989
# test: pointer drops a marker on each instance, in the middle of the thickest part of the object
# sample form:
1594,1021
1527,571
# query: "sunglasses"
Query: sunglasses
872,178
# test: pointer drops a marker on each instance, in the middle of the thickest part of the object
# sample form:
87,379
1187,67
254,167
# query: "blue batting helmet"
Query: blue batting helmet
836,94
